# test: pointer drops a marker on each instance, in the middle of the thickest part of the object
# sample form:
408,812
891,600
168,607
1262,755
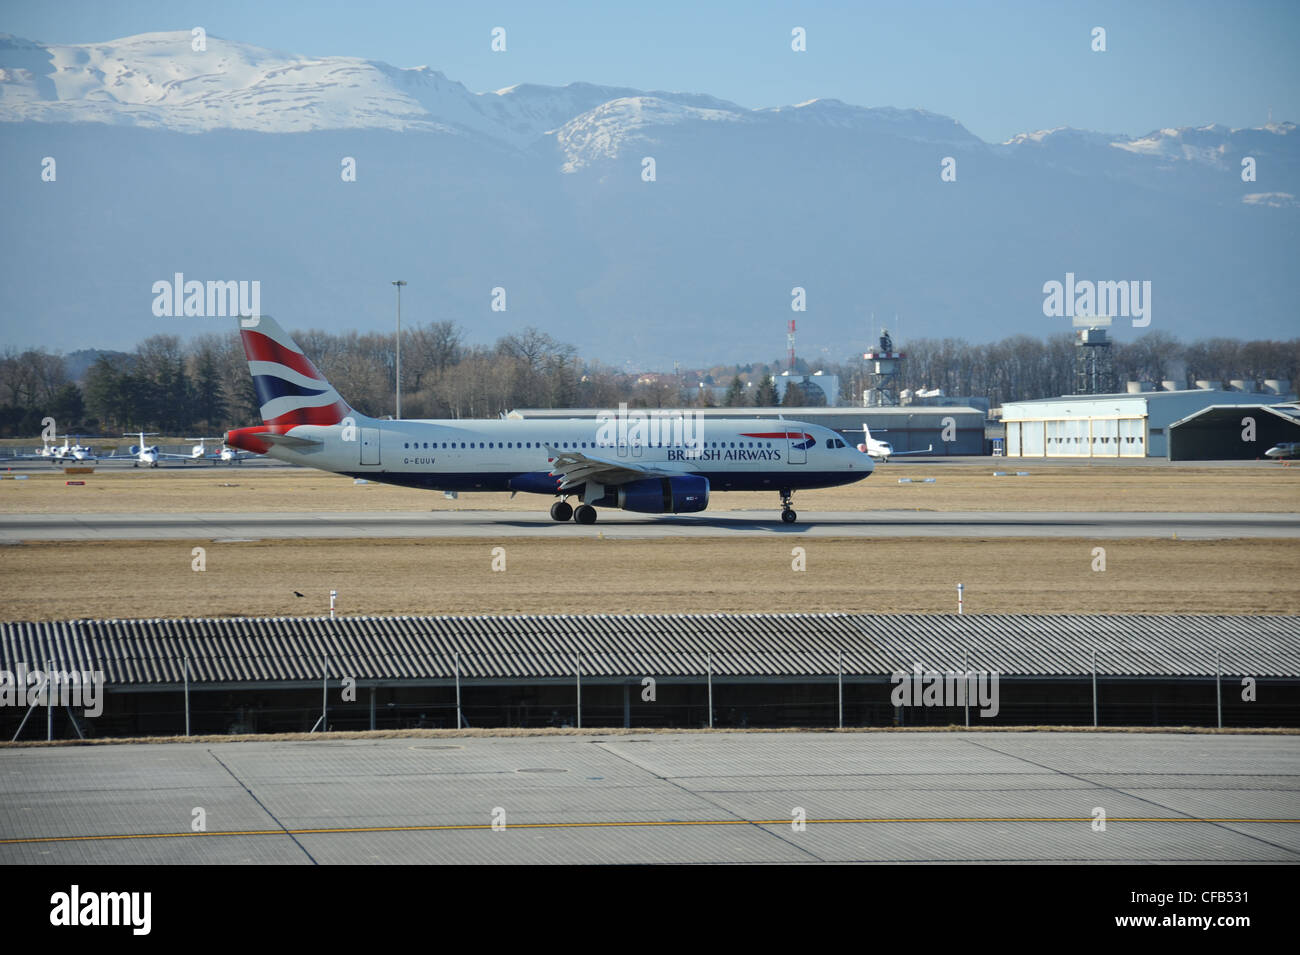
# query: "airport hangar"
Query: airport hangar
257,675
1216,433
907,428
1135,424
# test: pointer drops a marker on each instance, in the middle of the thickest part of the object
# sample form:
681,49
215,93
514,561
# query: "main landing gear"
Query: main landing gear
788,514
582,514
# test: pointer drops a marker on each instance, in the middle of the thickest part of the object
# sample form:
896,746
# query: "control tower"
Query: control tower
884,365
1094,364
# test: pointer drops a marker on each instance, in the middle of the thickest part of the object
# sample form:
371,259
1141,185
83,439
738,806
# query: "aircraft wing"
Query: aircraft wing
899,454
575,467
31,457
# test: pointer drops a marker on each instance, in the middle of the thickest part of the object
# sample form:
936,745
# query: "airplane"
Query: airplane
881,450
200,453
47,452
632,462
1284,450
68,452
230,455
144,455
197,453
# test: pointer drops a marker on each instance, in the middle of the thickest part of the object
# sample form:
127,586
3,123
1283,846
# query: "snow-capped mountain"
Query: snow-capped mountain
224,163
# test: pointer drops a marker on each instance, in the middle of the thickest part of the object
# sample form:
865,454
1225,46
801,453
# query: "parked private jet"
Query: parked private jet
144,454
199,452
881,450
67,452
631,460
1283,451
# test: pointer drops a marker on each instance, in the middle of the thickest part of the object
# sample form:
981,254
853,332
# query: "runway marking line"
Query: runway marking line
628,825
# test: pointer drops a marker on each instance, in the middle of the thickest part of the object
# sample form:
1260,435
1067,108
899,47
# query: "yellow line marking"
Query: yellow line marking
630,825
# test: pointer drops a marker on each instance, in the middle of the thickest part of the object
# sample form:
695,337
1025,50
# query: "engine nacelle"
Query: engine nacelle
670,495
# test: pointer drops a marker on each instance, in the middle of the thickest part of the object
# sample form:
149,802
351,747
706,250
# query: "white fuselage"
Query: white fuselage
512,454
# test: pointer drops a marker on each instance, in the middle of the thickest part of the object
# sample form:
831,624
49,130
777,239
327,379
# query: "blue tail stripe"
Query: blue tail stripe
269,387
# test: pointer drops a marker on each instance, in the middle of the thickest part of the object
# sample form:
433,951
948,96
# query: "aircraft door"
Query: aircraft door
797,447
369,445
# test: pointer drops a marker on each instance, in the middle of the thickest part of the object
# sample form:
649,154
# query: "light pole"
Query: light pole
399,283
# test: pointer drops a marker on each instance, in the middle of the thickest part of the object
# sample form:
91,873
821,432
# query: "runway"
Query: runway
624,525
660,798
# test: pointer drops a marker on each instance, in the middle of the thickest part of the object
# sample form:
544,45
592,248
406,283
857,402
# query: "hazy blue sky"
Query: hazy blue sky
999,68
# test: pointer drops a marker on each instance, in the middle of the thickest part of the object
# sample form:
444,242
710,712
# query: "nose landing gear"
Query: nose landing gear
788,514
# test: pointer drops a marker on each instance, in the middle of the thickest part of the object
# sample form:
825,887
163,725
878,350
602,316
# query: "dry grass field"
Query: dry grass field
43,581
741,575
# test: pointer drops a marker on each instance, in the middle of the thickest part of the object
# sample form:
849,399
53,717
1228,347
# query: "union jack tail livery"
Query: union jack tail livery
290,388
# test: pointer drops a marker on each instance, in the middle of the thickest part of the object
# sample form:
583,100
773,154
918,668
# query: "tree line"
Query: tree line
203,386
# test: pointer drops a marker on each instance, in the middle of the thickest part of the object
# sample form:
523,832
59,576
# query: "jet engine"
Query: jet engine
670,495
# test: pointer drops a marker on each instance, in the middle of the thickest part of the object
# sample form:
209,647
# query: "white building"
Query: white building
829,385
1130,425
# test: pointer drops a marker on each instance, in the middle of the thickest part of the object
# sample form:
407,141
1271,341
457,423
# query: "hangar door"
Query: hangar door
1105,437
1031,439
1132,435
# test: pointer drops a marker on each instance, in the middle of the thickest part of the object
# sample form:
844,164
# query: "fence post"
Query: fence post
1218,687
459,721
186,665
965,679
49,700
1094,689
325,696
839,660
709,659
577,669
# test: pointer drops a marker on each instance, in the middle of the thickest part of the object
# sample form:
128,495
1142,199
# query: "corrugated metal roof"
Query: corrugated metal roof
140,653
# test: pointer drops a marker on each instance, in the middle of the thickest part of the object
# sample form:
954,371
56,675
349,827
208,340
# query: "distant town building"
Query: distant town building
818,383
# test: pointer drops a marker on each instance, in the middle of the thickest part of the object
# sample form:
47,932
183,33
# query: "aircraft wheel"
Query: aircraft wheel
561,511
789,516
585,514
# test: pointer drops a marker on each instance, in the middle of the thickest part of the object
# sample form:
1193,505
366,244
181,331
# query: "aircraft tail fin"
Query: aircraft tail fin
289,387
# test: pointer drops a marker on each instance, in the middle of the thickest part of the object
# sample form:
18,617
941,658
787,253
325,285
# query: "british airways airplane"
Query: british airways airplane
633,460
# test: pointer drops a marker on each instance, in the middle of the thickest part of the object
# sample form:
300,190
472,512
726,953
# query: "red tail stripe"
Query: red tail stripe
324,414
257,347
